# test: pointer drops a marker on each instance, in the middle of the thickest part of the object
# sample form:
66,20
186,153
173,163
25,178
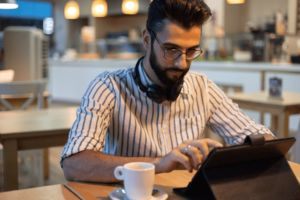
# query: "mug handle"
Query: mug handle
117,173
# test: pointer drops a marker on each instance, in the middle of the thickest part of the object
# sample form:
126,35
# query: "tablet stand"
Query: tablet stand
255,170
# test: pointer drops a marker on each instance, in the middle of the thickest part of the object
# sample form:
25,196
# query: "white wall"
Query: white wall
292,16
258,9
217,6
233,17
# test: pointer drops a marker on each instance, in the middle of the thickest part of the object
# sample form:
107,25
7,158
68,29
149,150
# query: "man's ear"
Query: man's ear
146,40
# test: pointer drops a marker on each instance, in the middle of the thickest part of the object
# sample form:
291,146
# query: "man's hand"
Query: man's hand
269,137
94,166
186,155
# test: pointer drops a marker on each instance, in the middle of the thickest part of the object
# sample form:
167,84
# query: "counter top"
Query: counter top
207,65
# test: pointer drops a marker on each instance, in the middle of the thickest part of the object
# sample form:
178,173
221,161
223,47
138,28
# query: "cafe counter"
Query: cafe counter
68,80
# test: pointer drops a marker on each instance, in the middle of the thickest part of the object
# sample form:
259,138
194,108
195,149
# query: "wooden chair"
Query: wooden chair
7,75
32,163
36,89
226,88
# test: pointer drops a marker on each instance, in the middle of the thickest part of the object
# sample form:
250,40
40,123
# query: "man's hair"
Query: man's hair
186,13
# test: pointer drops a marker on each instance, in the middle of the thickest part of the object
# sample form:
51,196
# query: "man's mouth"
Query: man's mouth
176,72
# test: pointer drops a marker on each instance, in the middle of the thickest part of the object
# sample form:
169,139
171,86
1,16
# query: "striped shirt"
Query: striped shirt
116,118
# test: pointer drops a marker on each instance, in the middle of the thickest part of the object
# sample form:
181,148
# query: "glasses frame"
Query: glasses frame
165,51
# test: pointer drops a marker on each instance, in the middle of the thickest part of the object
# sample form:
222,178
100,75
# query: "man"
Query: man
155,112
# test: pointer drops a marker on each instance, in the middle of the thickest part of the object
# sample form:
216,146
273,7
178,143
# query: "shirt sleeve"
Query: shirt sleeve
228,120
93,118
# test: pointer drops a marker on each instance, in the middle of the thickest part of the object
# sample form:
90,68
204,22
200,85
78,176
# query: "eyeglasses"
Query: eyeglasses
173,53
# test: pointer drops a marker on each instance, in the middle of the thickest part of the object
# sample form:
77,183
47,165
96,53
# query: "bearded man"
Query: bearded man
155,112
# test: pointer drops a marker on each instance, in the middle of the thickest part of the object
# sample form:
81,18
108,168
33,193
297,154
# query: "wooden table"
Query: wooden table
88,191
16,101
31,129
279,109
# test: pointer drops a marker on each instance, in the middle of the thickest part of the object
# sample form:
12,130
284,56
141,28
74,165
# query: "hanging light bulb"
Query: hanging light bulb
99,8
72,10
235,1
8,4
130,7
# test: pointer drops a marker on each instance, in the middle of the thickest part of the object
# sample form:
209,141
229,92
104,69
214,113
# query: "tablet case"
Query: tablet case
256,170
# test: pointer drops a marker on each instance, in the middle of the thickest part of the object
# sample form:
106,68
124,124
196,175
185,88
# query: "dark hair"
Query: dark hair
187,13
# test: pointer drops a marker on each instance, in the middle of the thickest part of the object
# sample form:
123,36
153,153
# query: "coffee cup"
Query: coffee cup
138,179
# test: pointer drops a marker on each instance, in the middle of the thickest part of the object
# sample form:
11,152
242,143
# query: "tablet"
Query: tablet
247,171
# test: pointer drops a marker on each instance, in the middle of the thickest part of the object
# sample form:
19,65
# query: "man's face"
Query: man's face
171,72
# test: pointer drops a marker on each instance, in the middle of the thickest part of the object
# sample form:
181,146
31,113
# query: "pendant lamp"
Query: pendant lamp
130,7
72,10
235,1
8,4
99,8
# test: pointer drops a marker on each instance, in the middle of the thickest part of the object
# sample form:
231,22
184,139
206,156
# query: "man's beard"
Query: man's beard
161,73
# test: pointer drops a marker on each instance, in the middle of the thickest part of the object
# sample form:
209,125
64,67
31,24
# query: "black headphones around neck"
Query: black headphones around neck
155,92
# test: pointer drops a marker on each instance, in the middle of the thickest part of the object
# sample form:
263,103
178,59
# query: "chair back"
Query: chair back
7,75
36,88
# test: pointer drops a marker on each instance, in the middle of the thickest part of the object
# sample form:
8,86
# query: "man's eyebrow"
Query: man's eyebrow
175,45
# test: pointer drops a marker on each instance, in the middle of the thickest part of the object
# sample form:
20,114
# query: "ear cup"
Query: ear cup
136,76
173,93
156,93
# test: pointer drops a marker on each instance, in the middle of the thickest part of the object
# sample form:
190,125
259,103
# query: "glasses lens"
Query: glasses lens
193,54
172,54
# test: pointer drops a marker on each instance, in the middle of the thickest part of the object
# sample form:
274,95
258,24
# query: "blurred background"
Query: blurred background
69,43
256,30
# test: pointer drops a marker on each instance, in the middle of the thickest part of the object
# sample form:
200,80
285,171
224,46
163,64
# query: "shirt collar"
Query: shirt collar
147,82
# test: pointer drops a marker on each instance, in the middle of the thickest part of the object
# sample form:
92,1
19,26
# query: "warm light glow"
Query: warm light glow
8,5
130,7
99,8
235,1
72,10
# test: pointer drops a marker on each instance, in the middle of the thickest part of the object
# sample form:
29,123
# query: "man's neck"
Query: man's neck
150,73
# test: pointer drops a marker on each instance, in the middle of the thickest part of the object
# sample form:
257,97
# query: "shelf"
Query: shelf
122,41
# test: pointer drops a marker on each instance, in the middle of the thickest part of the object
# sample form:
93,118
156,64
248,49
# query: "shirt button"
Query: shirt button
161,130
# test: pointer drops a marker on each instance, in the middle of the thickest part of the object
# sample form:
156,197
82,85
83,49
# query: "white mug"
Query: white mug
138,179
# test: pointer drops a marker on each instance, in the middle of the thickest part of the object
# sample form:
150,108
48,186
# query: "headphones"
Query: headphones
155,92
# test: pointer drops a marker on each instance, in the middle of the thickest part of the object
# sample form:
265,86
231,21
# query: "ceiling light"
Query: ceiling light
99,8
8,4
235,1
130,7
72,10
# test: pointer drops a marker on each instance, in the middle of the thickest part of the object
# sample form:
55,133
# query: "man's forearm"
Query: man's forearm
97,167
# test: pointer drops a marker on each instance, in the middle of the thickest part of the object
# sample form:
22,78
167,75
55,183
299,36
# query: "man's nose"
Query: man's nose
181,62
